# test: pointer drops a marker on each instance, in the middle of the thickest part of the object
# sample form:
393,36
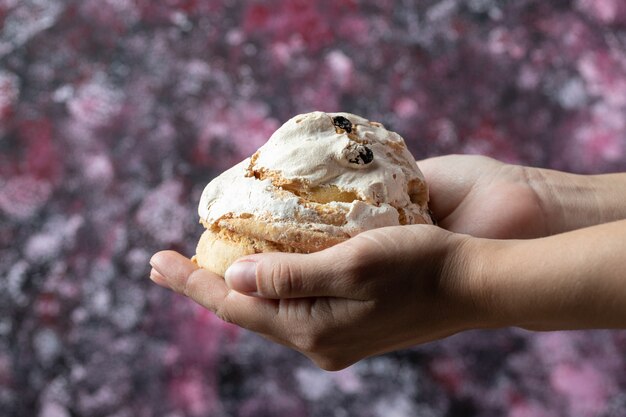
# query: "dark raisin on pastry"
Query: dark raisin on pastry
364,157
343,123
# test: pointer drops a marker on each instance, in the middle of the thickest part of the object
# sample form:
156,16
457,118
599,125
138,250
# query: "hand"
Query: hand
385,289
483,197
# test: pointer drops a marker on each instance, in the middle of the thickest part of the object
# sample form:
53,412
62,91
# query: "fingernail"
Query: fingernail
156,274
154,263
158,279
241,277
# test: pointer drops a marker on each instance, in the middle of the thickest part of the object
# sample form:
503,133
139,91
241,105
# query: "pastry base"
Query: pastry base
217,250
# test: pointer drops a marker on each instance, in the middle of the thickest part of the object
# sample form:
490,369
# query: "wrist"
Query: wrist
571,201
568,281
474,266
509,285
518,283
501,295
558,194
609,196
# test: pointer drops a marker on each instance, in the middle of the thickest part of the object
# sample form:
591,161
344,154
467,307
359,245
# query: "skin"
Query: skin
521,202
517,246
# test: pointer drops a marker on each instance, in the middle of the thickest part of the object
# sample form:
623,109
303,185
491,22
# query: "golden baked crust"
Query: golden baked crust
216,251
221,245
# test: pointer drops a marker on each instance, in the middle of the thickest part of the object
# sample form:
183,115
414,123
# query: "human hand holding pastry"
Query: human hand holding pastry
368,290
382,290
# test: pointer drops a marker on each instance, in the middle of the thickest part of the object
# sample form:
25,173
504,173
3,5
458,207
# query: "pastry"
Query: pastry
320,179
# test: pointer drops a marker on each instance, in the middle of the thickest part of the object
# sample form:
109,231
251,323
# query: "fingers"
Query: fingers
289,275
158,279
346,270
294,323
209,290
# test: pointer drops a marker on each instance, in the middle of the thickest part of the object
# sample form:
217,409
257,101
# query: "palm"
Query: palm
482,197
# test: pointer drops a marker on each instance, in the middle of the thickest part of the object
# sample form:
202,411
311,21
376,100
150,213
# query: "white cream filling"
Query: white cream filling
308,148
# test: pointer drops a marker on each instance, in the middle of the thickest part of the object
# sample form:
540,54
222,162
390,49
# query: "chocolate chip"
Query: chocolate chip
365,156
343,123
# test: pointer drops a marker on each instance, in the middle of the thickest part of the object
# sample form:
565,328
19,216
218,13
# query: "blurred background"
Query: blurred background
114,114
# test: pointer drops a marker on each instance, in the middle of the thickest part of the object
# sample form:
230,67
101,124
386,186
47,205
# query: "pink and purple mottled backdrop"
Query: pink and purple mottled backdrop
115,113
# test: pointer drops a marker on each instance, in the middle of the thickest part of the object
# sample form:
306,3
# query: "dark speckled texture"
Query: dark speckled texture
115,113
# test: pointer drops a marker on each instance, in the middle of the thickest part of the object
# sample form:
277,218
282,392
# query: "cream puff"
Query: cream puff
320,179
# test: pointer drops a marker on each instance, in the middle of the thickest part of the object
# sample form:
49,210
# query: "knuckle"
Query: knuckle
222,311
357,266
223,314
194,288
282,279
191,285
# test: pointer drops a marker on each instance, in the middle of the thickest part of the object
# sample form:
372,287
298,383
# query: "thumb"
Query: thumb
288,275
